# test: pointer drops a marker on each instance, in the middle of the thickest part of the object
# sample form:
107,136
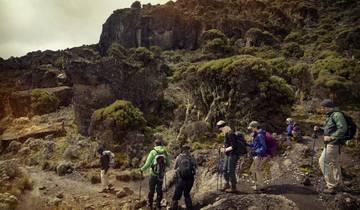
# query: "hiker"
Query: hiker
334,129
157,161
106,158
292,130
259,153
185,167
232,149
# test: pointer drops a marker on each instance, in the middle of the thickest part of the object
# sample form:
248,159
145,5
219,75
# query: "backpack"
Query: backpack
158,166
111,158
241,144
351,128
271,144
186,168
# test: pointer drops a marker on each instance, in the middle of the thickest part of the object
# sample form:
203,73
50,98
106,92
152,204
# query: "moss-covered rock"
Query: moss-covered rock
239,89
113,122
43,102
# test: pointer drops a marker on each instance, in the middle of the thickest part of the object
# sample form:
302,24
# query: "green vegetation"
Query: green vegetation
142,55
217,47
117,51
123,114
293,50
213,34
43,102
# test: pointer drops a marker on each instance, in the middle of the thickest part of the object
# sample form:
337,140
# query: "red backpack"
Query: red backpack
271,144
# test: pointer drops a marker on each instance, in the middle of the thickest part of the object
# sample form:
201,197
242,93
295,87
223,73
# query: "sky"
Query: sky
30,25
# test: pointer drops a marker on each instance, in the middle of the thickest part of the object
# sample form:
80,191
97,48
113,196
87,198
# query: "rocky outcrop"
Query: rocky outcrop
164,26
21,101
100,83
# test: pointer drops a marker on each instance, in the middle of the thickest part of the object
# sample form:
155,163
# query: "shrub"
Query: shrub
123,114
142,54
136,5
256,37
117,51
216,46
43,102
213,34
294,36
292,49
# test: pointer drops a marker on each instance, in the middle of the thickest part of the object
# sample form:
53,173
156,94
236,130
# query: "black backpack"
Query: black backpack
351,128
186,168
158,166
241,144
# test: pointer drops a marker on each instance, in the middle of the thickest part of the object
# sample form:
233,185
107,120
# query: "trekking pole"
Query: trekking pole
315,135
218,171
323,181
140,186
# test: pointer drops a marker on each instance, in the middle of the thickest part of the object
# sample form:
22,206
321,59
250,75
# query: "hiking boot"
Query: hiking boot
226,186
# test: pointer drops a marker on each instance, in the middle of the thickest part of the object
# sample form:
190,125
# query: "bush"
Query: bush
292,49
136,5
220,93
117,51
256,37
142,54
43,102
125,116
349,40
213,34
216,46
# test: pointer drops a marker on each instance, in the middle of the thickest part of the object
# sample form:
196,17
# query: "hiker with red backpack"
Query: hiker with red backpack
234,146
263,146
185,167
338,128
157,162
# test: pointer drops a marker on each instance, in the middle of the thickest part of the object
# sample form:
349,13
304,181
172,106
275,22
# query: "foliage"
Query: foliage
123,114
142,55
213,34
117,51
292,49
43,102
217,47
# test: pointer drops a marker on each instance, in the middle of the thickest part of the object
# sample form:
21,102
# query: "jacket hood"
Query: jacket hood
160,148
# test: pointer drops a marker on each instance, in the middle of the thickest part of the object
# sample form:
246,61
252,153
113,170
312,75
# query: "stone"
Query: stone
42,188
60,195
64,168
14,147
24,151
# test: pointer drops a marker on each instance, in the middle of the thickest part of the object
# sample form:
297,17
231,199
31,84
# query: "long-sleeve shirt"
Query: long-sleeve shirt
335,126
151,157
258,143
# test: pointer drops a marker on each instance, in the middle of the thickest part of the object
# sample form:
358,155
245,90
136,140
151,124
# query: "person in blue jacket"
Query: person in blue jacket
258,146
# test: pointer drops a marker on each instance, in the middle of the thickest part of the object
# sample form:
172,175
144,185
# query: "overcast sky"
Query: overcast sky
29,25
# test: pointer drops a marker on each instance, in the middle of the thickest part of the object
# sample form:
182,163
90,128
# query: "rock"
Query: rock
42,188
24,151
14,147
21,101
38,131
34,144
60,195
124,177
118,80
71,153
256,37
48,149
95,179
55,201
64,168
181,31
346,201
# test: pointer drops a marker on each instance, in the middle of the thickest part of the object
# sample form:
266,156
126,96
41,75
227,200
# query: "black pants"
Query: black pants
183,187
230,169
155,184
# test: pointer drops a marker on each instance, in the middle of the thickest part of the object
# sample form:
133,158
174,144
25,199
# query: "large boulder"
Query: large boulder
39,101
98,84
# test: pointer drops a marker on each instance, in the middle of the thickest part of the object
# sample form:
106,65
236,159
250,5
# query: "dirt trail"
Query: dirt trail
77,192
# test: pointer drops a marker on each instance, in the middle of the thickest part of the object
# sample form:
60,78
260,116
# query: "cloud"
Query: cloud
30,25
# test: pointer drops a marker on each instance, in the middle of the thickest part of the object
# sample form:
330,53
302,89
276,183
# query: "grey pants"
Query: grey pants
230,163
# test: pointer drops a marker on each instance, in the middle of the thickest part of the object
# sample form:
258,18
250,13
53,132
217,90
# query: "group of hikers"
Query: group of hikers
337,128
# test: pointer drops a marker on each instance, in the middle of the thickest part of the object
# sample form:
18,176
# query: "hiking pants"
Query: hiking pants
257,170
155,184
183,186
104,178
230,163
331,167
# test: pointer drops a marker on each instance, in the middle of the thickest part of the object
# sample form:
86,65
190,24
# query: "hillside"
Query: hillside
174,70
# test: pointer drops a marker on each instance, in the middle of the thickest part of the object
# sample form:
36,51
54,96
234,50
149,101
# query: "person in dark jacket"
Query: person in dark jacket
334,129
259,153
105,166
230,149
185,167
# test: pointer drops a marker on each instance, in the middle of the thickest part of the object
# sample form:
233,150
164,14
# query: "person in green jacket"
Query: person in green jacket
157,161
334,129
